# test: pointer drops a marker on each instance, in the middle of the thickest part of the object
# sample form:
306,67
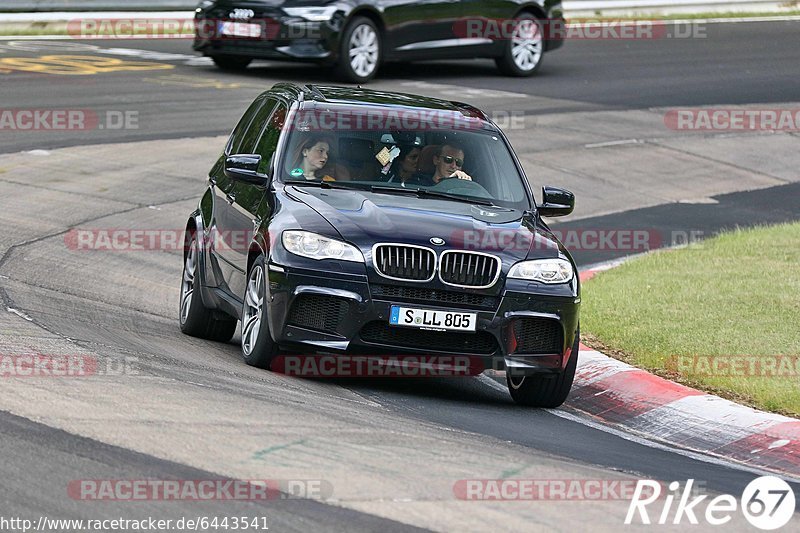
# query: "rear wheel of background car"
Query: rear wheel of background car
196,319
258,348
360,54
545,390
232,63
525,50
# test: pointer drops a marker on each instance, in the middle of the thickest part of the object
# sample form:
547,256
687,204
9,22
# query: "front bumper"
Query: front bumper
529,326
280,37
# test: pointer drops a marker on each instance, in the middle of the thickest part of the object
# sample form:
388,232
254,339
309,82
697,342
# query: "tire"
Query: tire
232,63
195,318
545,390
360,51
524,52
258,348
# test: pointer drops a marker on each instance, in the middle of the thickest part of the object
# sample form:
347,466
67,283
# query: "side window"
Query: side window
235,141
252,134
268,142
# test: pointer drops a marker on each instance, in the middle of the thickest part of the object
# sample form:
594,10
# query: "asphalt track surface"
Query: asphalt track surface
734,64
89,302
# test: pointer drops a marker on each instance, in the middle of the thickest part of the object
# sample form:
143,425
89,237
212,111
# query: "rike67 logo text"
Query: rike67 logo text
768,503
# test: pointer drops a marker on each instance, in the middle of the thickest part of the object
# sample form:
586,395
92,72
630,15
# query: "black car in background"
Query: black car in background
357,36
309,234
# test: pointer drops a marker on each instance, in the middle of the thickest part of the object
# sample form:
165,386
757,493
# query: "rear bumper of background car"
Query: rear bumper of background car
530,327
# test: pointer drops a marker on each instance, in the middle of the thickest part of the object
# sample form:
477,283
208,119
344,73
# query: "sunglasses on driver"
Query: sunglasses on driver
448,159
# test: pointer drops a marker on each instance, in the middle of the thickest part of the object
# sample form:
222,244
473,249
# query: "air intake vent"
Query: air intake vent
469,269
404,262
538,336
318,312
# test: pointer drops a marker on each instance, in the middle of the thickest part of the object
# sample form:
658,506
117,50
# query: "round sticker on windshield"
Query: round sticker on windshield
296,173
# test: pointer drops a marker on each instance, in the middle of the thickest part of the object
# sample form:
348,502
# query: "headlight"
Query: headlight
315,246
543,270
313,14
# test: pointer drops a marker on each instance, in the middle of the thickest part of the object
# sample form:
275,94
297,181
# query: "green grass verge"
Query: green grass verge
677,312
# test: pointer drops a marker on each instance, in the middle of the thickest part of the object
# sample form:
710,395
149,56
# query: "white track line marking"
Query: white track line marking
637,439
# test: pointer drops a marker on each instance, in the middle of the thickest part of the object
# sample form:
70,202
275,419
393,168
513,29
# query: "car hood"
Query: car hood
365,218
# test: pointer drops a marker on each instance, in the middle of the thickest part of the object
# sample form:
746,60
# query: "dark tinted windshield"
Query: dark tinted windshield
403,148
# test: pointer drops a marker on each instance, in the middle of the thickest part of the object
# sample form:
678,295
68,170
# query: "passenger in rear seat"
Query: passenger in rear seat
405,168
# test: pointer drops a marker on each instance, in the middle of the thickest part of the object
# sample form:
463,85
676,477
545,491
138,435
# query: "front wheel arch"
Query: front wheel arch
191,229
369,14
258,347
544,390
344,67
508,63
534,10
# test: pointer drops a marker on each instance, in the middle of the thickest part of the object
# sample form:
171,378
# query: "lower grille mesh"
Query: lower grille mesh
318,312
441,341
538,336
424,295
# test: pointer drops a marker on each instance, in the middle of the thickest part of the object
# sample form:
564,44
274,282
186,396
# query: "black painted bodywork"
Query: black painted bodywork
231,208
410,29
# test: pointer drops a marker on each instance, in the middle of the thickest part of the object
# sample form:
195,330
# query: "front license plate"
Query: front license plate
240,29
430,319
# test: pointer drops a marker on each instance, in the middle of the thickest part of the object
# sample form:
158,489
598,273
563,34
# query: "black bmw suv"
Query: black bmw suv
347,220
356,36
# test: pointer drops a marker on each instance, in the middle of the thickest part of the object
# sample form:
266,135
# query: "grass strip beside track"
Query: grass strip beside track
716,315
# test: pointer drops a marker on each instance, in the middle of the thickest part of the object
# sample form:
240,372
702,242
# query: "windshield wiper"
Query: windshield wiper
389,189
418,192
325,184
423,193
309,183
426,193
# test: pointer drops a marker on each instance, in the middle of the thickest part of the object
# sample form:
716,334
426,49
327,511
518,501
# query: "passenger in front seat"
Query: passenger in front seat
311,157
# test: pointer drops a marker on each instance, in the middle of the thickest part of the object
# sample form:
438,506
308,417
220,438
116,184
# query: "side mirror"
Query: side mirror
556,202
244,167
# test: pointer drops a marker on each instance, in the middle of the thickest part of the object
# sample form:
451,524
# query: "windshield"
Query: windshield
392,150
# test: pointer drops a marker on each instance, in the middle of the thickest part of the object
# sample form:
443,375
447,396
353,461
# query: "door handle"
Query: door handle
230,197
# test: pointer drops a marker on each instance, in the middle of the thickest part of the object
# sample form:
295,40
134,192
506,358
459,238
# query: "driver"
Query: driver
447,163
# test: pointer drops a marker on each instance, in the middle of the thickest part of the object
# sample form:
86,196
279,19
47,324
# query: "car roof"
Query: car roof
332,94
